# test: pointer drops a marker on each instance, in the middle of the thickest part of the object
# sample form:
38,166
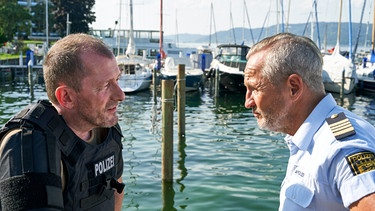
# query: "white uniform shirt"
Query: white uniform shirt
325,173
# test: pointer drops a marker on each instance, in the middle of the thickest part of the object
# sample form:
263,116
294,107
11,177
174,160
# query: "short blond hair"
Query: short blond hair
63,63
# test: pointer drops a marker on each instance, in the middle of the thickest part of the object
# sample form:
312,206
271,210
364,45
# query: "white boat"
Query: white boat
230,61
194,77
147,42
136,71
333,75
366,71
366,77
339,72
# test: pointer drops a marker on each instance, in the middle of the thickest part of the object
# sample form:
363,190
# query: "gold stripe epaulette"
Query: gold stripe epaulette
340,126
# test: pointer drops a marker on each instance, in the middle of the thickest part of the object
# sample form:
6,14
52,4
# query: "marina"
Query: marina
225,162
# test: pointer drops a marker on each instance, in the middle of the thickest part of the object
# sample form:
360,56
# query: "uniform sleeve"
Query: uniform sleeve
25,178
355,175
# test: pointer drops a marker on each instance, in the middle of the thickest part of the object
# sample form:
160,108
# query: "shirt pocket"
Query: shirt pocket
299,194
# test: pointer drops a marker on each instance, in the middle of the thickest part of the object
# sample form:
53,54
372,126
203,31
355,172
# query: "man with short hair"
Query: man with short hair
332,151
66,153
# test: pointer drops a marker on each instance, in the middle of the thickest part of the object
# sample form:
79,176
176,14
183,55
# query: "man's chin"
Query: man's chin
110,123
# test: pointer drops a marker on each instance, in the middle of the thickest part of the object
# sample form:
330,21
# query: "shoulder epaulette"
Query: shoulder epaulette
340,126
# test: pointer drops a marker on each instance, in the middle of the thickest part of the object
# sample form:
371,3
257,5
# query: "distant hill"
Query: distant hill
327,31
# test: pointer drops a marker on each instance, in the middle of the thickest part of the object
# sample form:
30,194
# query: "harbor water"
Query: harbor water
224,163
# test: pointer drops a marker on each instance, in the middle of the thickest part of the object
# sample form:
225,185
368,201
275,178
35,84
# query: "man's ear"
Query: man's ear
295,85
65,96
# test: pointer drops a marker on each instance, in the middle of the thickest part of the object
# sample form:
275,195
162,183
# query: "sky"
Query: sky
194,16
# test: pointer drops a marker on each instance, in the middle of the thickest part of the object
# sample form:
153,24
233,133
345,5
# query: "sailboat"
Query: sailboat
136,71
339,73
366,72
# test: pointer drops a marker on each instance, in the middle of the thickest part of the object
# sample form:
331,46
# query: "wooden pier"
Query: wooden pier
18,73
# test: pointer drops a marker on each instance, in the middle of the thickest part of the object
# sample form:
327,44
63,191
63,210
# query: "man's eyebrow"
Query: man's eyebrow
249,71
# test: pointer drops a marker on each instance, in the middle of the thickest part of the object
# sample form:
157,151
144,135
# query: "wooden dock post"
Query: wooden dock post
167,195
167,130
30,78
181,100
342,90
154,83
156,68
217,81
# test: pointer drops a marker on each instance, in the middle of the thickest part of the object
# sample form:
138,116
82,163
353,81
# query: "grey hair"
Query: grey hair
291,54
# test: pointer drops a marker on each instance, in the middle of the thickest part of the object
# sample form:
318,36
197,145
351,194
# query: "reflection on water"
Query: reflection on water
225,162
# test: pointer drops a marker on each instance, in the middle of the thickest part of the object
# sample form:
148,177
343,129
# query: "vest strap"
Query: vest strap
27,150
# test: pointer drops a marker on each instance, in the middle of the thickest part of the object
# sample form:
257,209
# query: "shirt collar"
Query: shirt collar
306,131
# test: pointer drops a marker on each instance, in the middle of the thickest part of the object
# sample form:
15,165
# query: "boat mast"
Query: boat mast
350,31
339,25
131,45
287,18
212,19
372,58
317,22
47,32
118,31
162,54
231,23
360,27
373,28
248,21
282,15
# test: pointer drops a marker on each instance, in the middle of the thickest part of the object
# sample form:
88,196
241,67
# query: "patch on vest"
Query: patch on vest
102,166
361,162
340,126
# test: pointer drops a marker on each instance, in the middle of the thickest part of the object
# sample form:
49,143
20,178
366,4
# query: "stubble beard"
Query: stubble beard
97,119
275,118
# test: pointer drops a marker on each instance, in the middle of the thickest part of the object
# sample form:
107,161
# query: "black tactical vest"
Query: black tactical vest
90,171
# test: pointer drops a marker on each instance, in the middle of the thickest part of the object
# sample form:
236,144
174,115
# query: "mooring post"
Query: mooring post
167,130
217,79
30,77
181,86
154,82
342,86
154,76
167,195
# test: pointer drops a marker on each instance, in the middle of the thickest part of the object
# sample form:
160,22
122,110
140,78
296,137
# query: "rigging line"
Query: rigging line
264,23
360,26
248,20
231,23
317,22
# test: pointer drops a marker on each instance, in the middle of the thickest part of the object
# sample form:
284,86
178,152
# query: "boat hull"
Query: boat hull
135,83
232,82
366,84
337,70
193,82
349,85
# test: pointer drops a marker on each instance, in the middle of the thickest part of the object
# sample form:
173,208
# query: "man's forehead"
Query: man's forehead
254,63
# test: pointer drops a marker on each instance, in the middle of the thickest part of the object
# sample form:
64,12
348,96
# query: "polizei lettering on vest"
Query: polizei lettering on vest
104,165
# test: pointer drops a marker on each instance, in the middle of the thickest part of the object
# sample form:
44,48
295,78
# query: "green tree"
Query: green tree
80,15
13,19
39,17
